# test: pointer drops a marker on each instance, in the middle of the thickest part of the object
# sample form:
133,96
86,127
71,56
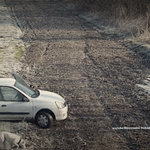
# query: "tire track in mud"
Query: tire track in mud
86,51
109,112
69,57
115,119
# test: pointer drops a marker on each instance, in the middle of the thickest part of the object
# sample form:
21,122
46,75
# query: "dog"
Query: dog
14,140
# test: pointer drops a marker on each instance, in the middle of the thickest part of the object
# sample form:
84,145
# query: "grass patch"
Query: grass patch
19,50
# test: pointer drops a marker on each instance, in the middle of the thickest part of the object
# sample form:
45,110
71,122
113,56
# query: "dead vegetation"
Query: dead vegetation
132,16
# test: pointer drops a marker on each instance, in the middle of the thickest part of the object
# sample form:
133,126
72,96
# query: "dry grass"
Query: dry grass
130,15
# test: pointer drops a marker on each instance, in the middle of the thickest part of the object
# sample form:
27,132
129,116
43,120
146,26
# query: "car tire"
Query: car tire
44,120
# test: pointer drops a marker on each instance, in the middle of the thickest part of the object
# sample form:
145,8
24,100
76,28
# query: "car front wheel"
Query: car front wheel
44,120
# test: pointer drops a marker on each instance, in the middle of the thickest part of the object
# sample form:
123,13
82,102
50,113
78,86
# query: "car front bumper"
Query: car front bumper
61,114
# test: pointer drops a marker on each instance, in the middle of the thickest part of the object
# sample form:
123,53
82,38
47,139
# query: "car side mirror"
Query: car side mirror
25,99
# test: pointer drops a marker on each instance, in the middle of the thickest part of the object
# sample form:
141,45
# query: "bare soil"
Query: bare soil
96,74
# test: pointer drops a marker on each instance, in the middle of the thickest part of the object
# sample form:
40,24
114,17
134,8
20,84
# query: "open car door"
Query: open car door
19,79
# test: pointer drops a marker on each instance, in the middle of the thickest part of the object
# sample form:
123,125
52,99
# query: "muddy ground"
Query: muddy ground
95,73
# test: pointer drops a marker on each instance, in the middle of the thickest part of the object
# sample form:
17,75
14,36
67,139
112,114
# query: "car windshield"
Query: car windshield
27,90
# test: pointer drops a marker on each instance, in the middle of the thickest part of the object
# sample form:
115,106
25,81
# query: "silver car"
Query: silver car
20,101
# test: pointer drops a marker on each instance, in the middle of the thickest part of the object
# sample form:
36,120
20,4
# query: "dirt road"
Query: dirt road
95,74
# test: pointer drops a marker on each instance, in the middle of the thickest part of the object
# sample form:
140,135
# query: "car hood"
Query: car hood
45,95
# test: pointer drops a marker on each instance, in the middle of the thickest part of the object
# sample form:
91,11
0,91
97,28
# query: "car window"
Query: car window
27,90
11,94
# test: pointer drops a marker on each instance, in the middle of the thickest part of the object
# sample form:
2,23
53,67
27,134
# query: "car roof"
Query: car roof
7,82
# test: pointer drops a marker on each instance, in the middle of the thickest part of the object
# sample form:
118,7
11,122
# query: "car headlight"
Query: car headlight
60,105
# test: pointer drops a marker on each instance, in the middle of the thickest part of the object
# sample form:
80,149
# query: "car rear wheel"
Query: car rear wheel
44,120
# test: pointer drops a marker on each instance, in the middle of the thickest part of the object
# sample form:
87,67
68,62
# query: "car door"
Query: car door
14,105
